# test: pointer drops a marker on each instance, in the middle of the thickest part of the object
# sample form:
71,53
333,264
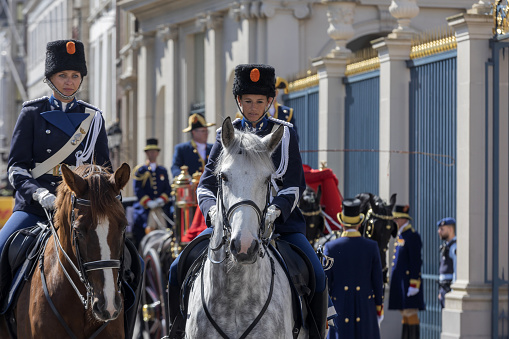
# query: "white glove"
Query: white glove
412,291
152,204
45,198
160,202
213,214
380,318
272,213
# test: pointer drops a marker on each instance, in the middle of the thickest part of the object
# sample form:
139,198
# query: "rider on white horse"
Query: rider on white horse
254,91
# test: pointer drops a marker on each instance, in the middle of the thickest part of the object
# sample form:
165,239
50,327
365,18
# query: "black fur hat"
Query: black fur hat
62,55
254,79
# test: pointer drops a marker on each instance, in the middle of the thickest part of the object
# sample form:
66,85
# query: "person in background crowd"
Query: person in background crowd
447,270
355,279
279,111
195,153
152,188
406,292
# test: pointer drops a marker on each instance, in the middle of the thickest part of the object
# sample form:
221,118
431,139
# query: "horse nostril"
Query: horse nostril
234,246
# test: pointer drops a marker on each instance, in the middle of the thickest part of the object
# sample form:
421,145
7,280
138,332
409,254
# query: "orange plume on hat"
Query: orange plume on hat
254,75
71,47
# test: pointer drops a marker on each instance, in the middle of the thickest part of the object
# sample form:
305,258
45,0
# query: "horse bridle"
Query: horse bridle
227,229
226,215
370,214
83,267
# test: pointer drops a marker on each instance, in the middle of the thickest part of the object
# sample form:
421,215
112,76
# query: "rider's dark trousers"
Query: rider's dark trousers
298,239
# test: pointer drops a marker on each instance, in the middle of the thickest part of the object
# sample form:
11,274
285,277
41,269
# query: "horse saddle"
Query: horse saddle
18,260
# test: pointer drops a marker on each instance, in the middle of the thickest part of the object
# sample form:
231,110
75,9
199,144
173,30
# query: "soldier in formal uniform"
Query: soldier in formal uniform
406,292
254,91
193,154
355,279
44,127
152,188
447,270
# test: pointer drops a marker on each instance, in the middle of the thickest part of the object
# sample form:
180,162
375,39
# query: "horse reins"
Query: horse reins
84,267
225,240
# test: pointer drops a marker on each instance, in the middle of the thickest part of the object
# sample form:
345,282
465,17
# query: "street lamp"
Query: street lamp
114,141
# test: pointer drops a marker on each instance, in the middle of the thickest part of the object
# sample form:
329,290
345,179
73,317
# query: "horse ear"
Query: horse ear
393,201
227,132
122,175
73,180
371,201
275,138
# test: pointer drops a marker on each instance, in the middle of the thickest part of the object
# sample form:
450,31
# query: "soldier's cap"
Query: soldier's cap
64,55
152,144
351,216
282,84
254,79
196,120
446,221
401,211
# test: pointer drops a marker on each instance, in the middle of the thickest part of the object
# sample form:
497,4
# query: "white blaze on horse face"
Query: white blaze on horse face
109,279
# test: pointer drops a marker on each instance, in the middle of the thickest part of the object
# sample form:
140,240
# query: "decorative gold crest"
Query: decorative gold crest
500,22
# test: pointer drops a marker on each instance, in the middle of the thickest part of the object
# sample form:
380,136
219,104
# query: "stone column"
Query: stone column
467,312
332,93
168,35
146,95
214,72
393,53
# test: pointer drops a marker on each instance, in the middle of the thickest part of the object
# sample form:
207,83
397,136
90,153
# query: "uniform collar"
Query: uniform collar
351,234
405,228
58,105
261,125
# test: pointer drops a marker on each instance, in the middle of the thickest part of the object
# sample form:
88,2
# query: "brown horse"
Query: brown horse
75,289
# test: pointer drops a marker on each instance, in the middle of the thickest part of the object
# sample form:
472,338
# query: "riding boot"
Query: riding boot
177,321
317,318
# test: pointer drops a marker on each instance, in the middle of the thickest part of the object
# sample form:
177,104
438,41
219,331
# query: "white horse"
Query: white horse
241,290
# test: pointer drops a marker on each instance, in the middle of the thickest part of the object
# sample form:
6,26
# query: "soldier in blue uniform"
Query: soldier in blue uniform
406,292
279,111
447,270
152,188
44,127
254,91
355,279
195,153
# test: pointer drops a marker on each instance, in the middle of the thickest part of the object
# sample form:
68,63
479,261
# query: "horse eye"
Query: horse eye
223,177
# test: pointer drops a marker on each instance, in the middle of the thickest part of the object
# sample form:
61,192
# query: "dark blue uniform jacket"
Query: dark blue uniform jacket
290,187
406,269
187,154
355,285
150,185
41,130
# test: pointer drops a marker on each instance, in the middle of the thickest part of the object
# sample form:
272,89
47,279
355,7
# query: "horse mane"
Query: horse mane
250,146
101,202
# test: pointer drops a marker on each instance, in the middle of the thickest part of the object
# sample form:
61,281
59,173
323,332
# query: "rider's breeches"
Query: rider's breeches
17,221
298,239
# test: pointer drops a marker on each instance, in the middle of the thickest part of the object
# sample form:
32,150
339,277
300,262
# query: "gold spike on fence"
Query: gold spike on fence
428,43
